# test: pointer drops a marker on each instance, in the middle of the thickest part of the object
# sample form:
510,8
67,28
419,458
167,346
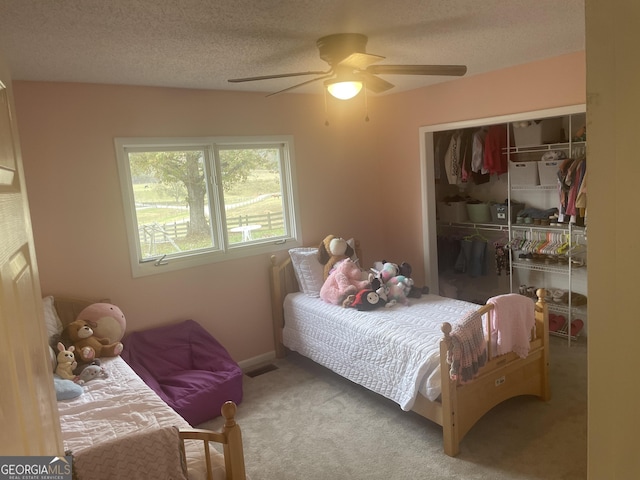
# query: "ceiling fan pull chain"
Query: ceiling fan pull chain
366,104
326,116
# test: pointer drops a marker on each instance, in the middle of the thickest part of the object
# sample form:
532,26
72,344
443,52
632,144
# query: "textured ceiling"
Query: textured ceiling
203,43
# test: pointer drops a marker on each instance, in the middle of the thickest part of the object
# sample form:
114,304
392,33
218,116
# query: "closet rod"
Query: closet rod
477,226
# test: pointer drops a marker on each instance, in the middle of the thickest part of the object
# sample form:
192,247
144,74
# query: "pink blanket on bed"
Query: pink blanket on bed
140,455
512,319
469,348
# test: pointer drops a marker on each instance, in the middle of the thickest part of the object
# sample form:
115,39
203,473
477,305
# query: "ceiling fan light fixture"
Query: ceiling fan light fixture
343,89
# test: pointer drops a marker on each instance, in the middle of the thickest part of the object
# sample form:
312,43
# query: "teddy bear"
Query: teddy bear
88,347
331,251
66,362
344,280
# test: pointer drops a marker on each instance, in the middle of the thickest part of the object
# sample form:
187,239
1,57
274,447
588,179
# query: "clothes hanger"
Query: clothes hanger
476,234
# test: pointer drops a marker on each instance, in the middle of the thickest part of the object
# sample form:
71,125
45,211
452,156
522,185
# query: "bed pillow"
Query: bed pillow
308,270
51,320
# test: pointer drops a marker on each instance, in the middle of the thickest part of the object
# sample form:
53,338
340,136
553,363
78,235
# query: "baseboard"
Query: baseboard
258,361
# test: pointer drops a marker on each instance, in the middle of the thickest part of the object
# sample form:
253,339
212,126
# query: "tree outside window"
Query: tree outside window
185,198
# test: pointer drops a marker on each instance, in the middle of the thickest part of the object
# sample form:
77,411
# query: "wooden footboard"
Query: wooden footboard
231,439
503,377
460,405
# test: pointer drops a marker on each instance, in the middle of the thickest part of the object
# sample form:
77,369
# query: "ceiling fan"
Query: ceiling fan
350,66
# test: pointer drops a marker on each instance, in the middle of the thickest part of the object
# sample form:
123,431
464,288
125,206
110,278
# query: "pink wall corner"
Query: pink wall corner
555,82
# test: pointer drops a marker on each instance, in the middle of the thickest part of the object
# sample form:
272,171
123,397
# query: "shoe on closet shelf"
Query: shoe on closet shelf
560,296
556,322
576,327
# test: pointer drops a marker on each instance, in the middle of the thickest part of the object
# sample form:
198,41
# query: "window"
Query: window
190,201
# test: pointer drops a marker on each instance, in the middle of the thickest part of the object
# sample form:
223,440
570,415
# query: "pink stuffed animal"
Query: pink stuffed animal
345,279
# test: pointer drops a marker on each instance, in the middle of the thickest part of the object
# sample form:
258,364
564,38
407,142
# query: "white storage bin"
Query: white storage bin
454,212
524,173
548,171
538,132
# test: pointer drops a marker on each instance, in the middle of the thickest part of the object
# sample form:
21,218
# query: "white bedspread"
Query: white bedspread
392,351
120,405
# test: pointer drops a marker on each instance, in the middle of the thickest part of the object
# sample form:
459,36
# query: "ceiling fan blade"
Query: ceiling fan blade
301,84
375,84
452,70
281,75
359,61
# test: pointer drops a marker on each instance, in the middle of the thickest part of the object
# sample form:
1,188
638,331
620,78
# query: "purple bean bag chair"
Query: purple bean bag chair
186,367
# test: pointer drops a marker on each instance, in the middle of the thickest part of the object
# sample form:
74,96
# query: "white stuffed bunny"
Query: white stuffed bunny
66,362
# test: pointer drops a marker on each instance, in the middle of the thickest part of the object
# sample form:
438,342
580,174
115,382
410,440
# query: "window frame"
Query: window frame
221,250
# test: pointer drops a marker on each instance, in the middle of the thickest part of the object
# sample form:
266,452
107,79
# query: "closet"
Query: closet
505,211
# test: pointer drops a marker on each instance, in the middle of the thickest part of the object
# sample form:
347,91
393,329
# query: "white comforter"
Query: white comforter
392,351
119,405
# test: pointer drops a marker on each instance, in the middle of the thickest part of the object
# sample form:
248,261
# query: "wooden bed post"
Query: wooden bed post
233,450
448,395
277,310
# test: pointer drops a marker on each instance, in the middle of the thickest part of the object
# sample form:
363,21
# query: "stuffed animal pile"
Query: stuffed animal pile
88,341
81,333
347,285
396,282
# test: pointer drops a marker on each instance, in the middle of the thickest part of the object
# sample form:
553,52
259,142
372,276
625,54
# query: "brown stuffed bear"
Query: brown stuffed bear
88,347
332,250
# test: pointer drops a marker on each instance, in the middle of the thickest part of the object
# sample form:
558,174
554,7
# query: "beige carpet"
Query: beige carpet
302,421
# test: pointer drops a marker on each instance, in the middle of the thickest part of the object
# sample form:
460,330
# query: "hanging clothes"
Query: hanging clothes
581,199
466,154
571,176
452,159
472,257
441,142
479,174
495,143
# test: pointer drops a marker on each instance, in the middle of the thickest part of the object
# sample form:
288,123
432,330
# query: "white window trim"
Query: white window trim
226,252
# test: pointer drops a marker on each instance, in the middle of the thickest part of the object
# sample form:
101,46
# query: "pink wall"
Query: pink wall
355,178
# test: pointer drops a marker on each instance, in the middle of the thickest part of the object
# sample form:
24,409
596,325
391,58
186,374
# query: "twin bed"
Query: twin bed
401,352
120,428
